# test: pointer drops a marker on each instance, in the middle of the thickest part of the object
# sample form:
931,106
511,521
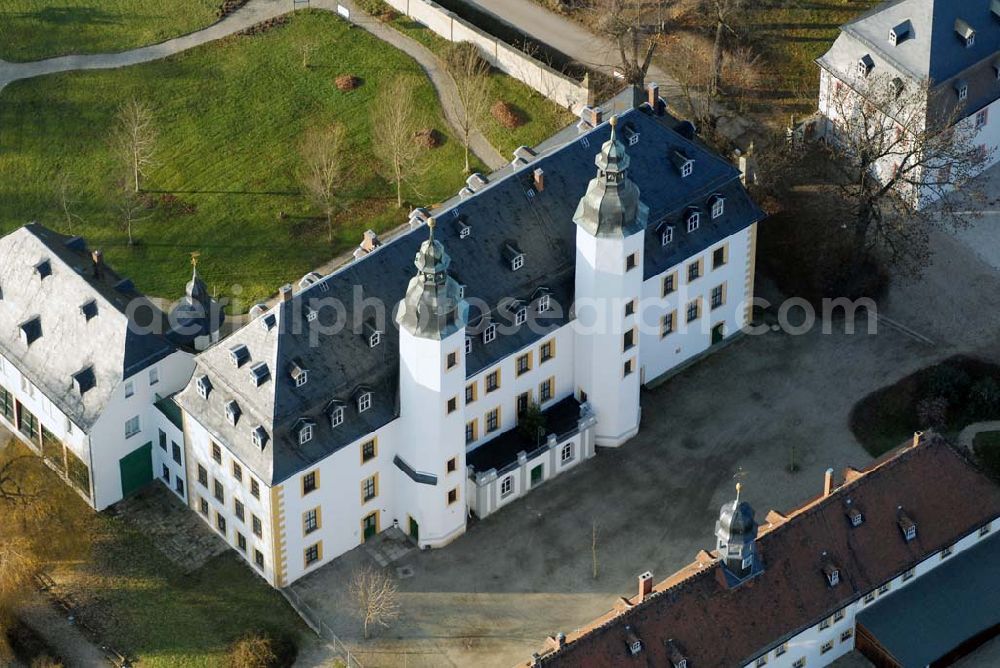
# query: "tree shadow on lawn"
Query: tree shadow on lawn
71,15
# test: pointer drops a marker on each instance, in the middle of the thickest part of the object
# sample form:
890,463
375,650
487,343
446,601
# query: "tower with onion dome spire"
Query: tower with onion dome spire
611,223
431,318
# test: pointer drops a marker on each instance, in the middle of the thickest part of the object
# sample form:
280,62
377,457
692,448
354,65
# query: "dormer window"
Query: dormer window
832,574
907,526
259,373
259,436
238,355
543,303
900,33
84,380
856,517
865,65
298,374
89,310
965,33
693,219
43,269
962,90
311,313
305,432
667,235
490,333
747,562
676,656
373,335
336,415
631,134
718,206
468,345
464,230
204,386
31,330
267,322
232,412
461,292
521,316
364,401
514,256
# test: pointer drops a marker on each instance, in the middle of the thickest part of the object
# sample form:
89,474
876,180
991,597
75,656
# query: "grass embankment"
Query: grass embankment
542,117
231,116
37,29
954,394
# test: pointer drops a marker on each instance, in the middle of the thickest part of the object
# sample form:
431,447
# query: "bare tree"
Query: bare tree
375,597
741,69
253,650
693,55
128,206
134,138
896,146
67,193
322,170
15,485
723,13
637,28
394,127
306,50
472,81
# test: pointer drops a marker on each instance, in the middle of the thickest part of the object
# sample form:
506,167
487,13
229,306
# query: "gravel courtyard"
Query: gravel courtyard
491,597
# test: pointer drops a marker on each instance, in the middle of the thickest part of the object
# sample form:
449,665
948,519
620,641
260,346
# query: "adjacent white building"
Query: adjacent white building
83,358
948,48
460,365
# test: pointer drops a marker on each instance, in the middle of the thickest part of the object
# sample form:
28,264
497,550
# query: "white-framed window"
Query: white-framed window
970,40
543,303
311,314
364,402
799,662
154,376
202,385
667,235
461,292
884,588
982,117
863,67
468,345
908,574
985,529
761,661
258,435
636,646
718,207
946,552
302,378
567,453
232,412
693,220
521,316
337,416
132,427
374,339
687,168
963,91
305,434
517,262
129,389
826,647
490,333
507,486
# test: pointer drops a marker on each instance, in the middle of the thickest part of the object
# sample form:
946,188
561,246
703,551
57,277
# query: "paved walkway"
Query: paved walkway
251,14
968,435
61,635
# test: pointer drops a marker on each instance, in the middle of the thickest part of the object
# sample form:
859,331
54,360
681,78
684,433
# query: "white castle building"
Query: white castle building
946,50
388,394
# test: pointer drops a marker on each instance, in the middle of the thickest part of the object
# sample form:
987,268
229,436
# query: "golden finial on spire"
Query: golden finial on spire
614,121
194,258
738,477
431,224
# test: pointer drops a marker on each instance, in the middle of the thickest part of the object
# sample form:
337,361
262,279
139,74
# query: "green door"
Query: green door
414,530
136,468
370,524
718,333
536,475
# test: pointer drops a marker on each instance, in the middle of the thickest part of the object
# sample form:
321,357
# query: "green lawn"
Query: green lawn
36,29
791,35
230,115
542,117
144,605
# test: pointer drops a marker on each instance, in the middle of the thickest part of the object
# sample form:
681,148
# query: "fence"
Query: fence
320,628
554,85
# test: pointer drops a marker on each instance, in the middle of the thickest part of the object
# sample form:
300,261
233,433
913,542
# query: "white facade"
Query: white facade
826,642
113,436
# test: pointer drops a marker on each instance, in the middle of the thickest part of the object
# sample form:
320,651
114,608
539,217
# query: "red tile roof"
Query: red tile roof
939,489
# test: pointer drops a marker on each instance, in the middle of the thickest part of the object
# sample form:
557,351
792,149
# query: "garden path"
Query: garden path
251,14
968,435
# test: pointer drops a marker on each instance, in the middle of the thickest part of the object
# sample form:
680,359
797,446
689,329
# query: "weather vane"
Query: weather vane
738,477
194,258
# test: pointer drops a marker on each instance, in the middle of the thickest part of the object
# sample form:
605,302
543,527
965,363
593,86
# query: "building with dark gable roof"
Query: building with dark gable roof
390,392
950,48
83,358
825,578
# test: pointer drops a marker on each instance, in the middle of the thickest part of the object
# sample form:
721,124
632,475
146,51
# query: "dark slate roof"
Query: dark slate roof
561,419
932,50
505,212
101,348
937,612
717,624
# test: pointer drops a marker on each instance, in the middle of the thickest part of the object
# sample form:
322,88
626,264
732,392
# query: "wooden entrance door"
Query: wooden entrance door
370,525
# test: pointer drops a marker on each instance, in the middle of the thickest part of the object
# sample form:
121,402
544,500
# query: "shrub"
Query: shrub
388,15
262,649
346,82
532,423
506,115
984,398
947,381
428,138
373,7
457,55
932,412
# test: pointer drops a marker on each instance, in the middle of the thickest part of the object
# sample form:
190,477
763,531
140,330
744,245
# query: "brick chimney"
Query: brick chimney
645,585
653,95
917,437
828,482
285,292
97,257
539,177
370,241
